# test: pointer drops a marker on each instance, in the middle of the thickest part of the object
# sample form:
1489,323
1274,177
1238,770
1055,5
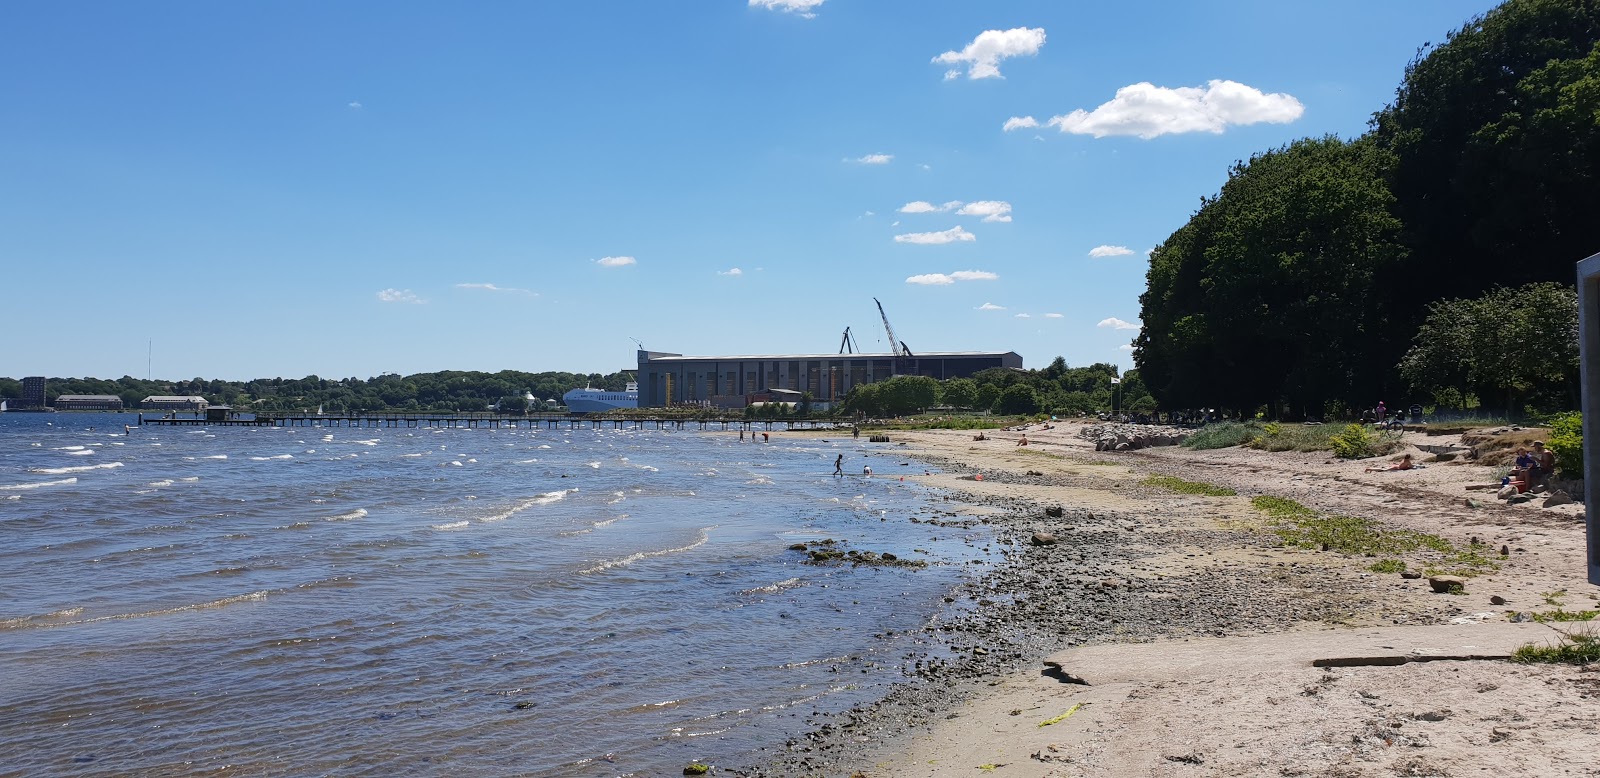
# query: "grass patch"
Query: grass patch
1035,453
1575,649
1302,527
1559,615
1294,437
1181,486
1222,435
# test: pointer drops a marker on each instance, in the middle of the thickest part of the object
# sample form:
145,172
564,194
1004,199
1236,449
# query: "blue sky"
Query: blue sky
356,188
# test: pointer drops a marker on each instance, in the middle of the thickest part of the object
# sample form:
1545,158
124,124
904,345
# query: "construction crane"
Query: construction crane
901,352
847,344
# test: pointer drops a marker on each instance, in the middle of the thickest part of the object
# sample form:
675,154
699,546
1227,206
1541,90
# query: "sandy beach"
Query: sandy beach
1147,632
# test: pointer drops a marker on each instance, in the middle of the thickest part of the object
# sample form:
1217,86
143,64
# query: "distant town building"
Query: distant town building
172,402
88,402
33,392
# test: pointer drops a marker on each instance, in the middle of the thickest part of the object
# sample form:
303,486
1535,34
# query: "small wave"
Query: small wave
522,505
526,461
24,621
191,479
369,442
68,448
456,463
787,583
162,482
83,453
760,481
595,465
649,469
544,447
359,513
20,487
642,555
269,459
297,525
406,456
451,525
216,456
224,602
78,469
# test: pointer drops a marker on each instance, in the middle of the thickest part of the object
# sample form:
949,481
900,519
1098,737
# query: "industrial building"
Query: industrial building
735,381
88,402
33,396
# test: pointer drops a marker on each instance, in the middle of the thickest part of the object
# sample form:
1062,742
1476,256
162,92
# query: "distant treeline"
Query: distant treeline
448,390
1403,265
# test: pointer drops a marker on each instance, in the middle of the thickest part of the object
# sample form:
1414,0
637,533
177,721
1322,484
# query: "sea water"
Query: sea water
312,600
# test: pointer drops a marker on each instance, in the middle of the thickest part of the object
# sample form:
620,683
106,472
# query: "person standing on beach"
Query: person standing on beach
838,465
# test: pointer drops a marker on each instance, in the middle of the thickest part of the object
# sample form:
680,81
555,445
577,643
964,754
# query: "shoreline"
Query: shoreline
1138,568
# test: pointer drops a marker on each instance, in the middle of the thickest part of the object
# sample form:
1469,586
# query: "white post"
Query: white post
1589,381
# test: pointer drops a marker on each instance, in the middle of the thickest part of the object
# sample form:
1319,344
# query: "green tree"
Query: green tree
906,394
1019,399
960,393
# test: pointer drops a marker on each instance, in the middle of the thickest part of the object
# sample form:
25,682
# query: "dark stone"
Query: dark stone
1447,584
1497,600
1411,575
798,547
1043,539
1054,513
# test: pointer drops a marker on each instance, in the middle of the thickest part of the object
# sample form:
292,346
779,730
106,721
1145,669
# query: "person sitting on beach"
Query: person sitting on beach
1404,463
1023,441
980,436
1523,466
1544,464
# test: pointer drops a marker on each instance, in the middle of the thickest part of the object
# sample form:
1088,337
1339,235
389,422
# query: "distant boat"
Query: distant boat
588,400
2,406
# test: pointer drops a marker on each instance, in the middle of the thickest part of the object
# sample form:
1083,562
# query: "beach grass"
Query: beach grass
1576,648
1222,435
1563,615
1181,486
1301,527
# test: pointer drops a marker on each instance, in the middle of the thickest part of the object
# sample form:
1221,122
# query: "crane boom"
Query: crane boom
894,344
847,344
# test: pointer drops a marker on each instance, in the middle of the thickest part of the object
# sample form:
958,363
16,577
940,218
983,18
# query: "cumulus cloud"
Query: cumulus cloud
951,235
1020,122
982,56
1024,316
616,261
990,210
1125,347
990,307
1110,251
356,104
1148,111
805,9
872,159
732,271
1117,324
399,296
942,279
1052,316
494,288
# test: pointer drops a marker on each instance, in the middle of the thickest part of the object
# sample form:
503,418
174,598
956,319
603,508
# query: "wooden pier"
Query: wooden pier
489,421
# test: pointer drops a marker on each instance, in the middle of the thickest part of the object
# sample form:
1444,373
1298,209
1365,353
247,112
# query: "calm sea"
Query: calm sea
466,602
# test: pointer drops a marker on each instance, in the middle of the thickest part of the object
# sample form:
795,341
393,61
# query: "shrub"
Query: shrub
1566,442
1228,433
1294,437
1353,442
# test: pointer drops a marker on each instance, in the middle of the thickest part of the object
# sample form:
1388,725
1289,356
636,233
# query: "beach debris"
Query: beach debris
1506,492
1062,717
1447,584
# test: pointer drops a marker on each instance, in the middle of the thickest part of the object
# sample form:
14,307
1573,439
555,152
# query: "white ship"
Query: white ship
600,400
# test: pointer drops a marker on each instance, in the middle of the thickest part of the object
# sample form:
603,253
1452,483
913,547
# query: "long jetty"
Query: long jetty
489,421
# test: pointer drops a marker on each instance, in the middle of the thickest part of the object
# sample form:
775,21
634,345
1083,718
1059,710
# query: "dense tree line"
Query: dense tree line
1317,279
1056,389
449,390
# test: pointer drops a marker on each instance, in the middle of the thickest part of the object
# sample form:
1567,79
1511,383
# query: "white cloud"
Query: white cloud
732,271
1125,347
616,261
1024,316
974,275
951,235
990,210
1052,316
356,104
1117,324
872,159
1110,251
493,288
941,279
990,307
925,166
982,56
1148,111
1019,122
804,8
400,296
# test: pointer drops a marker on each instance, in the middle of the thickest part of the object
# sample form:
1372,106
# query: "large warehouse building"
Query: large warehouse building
735,381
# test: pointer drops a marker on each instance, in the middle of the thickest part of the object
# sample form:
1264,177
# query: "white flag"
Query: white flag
1116,380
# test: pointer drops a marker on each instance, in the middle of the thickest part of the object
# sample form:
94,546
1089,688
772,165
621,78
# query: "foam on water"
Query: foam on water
451,525
82,453
78,469
269,459
522,505
162,482
218,603
705,536
67,448
359,513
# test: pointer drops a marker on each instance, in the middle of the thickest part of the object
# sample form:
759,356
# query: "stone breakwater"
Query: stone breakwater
1071,576
1123,437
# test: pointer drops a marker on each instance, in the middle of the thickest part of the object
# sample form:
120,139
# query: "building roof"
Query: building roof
173,398
99,398
746,357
